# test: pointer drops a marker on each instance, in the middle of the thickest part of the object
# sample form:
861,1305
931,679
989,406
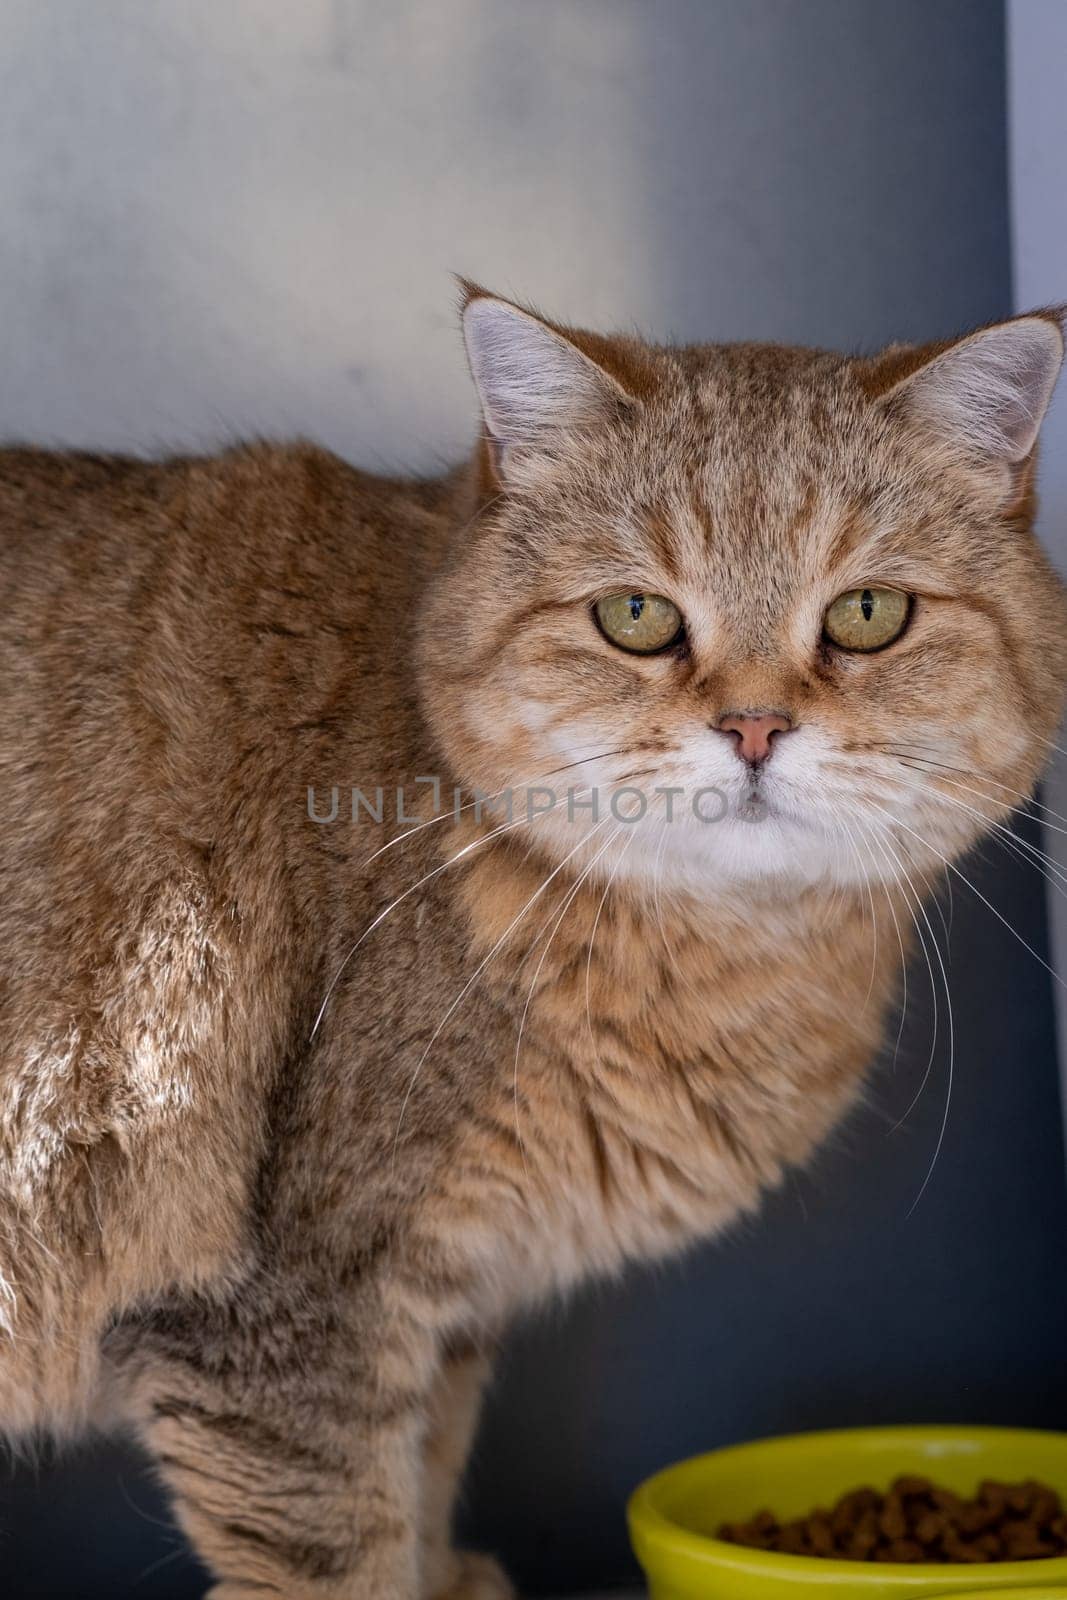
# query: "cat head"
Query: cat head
788,601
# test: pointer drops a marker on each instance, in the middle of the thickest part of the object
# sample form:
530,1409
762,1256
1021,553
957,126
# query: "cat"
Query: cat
418,896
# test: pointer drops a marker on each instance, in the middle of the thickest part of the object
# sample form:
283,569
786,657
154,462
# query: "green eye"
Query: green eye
643,623
866,619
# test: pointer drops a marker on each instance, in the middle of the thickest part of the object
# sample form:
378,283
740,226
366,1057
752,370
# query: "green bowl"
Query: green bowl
673,1516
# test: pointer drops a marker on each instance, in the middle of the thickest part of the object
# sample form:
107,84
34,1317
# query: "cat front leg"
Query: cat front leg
455,1401
291,1444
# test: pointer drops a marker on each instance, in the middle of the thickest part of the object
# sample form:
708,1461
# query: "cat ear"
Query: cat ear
532,380
989,392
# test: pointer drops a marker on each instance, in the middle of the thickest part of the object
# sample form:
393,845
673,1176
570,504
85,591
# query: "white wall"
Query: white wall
1037,124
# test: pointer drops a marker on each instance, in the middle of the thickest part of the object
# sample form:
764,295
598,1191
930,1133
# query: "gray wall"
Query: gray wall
221,219
241,218
1037,123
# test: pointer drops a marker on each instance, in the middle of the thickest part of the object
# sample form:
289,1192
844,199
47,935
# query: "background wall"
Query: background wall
1037,128
229,218
225,219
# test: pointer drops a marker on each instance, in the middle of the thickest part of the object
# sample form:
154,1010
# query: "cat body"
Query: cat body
301,1100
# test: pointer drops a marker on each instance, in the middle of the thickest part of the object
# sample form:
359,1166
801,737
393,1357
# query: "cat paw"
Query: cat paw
475,1577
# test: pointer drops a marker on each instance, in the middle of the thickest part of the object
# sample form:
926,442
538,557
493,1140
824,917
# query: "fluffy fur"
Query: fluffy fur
292,1123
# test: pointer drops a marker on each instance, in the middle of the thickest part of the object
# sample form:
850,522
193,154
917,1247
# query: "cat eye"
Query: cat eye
643,623
866,619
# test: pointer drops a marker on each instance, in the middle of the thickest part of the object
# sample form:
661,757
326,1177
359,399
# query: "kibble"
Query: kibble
916,1521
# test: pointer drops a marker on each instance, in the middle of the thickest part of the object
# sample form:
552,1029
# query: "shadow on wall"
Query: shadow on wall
825,174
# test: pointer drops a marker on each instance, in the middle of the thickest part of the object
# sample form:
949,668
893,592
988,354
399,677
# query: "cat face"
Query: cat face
787,602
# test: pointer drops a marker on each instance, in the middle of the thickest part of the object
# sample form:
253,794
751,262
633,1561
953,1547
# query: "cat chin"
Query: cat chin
746,852
750,851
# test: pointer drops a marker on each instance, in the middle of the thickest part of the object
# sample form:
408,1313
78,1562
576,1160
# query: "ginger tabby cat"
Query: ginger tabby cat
302,1099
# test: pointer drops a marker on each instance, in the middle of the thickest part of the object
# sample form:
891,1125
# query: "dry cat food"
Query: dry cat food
917,1521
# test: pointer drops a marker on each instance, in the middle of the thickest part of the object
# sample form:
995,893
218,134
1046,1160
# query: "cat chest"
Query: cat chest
651,1083
617,1145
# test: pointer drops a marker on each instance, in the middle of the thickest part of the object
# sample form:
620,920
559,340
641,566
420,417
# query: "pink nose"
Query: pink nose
754,734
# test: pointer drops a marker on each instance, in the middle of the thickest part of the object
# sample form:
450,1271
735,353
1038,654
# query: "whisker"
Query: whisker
903,957
480,968
1027,801
1050,870
380,918
951,1050
911,895
161,1562
896,822
592,938
912,898
874,919
1051,744
486,799
657,905
1024,796
932,891
575,887
840,889
998,832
